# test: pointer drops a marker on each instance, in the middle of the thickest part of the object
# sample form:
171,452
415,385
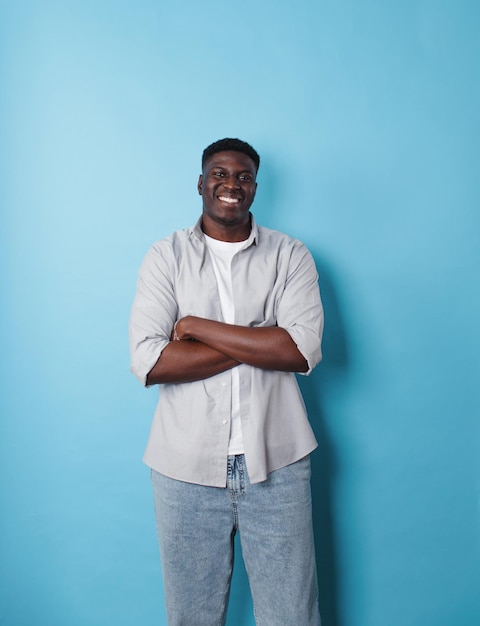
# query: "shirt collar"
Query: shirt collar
252,239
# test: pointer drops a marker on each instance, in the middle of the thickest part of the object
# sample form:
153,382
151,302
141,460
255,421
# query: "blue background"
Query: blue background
365,114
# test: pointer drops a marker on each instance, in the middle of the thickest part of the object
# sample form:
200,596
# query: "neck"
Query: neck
226,232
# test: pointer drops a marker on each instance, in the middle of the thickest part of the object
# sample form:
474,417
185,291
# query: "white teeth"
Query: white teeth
228,200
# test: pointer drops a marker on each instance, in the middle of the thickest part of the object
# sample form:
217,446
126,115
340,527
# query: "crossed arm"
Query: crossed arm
217,347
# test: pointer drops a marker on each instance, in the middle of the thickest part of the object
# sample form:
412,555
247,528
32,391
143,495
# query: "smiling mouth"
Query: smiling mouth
228,199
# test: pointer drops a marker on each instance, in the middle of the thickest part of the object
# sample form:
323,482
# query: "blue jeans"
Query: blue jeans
196,526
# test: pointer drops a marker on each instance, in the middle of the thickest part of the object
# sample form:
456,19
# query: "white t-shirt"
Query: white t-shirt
222,253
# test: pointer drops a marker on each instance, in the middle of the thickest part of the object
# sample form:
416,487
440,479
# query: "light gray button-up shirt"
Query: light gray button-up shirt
275,283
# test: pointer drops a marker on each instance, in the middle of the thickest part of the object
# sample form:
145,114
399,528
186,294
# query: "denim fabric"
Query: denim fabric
196,526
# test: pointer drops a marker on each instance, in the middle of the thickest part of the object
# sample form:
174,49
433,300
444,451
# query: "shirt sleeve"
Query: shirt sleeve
154,310
300,310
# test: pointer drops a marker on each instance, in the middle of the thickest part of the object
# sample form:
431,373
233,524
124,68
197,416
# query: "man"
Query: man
225,312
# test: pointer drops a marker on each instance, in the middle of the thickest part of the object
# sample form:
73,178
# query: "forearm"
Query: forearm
264,347
188,361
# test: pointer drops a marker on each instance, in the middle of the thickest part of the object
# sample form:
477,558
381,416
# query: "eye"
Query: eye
219,174
246,177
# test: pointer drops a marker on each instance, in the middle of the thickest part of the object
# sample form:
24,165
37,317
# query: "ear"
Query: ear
200,184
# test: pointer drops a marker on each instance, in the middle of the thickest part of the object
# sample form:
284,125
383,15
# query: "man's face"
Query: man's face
228,188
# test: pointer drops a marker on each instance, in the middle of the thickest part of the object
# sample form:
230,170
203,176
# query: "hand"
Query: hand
173,334
179,332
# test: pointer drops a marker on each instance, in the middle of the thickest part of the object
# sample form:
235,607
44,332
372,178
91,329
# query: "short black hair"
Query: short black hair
237,145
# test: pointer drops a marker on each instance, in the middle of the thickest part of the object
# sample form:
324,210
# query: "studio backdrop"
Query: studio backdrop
365,114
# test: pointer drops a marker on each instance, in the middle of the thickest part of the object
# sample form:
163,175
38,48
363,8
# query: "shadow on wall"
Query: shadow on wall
324,464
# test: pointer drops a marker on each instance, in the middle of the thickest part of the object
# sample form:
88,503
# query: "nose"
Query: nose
231,183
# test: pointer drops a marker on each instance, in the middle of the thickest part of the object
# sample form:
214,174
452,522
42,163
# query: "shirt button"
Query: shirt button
224,422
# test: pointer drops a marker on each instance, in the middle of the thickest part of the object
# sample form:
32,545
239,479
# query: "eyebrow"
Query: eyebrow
220,167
